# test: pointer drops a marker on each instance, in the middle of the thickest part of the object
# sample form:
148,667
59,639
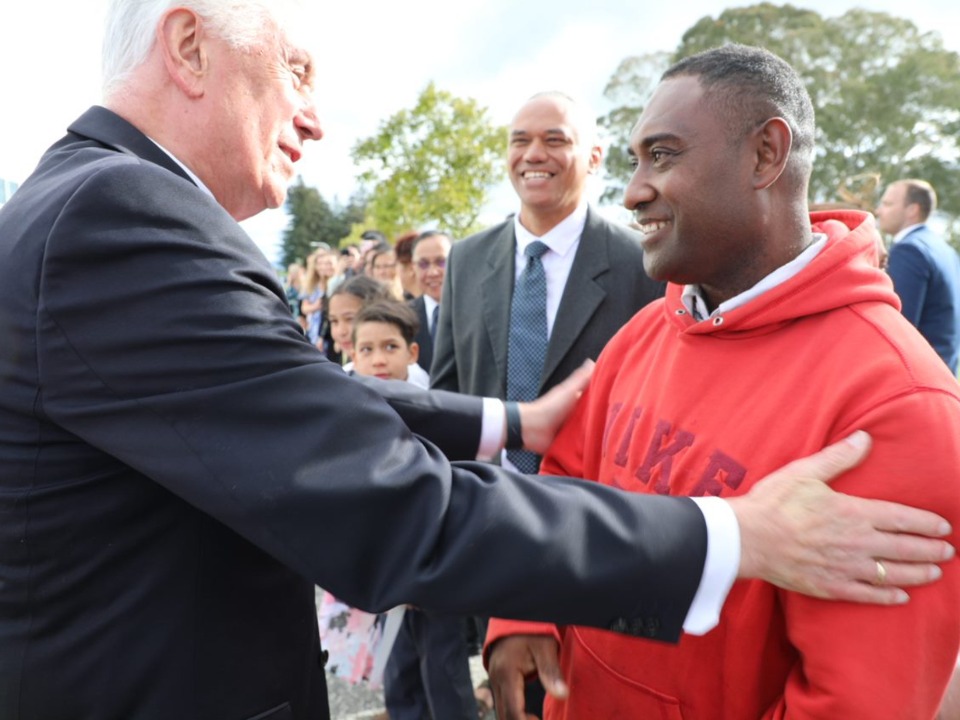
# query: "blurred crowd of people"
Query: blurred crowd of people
392,273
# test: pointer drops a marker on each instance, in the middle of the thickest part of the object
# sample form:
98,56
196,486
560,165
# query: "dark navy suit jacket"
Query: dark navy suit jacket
424,339
926,275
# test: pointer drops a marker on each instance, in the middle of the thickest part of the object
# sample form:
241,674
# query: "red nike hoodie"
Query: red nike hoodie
682,407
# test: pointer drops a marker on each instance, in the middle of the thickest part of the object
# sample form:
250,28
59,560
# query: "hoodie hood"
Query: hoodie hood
844,273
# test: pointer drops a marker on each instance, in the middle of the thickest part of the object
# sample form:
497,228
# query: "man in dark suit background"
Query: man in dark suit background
179,466
429,258
924,268
594,276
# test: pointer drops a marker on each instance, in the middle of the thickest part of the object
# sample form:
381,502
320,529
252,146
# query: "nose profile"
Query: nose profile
307,122
638,192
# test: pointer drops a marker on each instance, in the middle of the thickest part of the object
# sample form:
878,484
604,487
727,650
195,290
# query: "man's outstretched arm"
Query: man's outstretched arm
465,427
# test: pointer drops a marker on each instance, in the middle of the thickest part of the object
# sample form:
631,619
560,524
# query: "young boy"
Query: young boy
383,344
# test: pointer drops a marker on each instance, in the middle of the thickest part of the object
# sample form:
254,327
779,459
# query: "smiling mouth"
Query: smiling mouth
649,227
536,175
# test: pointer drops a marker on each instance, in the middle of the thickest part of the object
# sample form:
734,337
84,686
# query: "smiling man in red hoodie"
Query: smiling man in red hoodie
778,335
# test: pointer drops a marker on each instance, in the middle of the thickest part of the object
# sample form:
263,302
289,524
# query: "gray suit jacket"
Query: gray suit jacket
606,287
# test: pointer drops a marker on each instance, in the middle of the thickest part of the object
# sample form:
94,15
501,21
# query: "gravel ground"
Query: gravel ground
350,701
359,702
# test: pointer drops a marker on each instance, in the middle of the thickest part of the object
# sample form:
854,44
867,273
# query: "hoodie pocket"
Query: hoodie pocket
599,690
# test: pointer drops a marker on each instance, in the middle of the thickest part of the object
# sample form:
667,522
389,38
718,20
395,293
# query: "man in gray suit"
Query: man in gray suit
593,269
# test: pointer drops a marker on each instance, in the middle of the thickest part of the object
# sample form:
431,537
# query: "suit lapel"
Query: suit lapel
110,129
582,295
497,288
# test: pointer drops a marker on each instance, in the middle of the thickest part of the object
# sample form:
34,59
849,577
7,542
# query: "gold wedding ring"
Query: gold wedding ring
881,574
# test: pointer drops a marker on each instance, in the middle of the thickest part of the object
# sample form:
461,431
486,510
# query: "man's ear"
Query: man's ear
912,211
180,38
595,159
774,139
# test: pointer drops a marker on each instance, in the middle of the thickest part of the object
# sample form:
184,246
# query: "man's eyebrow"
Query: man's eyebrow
550,131
651,140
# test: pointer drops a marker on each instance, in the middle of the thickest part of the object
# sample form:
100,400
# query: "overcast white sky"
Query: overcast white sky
374,57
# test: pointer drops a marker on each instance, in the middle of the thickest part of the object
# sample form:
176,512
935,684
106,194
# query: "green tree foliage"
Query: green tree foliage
433,164
887,96
313,221
627,92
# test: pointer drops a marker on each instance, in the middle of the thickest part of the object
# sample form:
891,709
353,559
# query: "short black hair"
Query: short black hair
392,312
749,85
429,234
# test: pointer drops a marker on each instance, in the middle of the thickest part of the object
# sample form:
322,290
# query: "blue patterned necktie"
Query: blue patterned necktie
436,321
527,342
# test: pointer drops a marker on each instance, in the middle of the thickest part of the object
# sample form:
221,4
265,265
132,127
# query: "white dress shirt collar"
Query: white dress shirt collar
187,170
906,231
693,300
560,239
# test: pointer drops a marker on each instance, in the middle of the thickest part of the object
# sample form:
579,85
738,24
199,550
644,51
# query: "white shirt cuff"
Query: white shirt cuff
491,429
720,567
